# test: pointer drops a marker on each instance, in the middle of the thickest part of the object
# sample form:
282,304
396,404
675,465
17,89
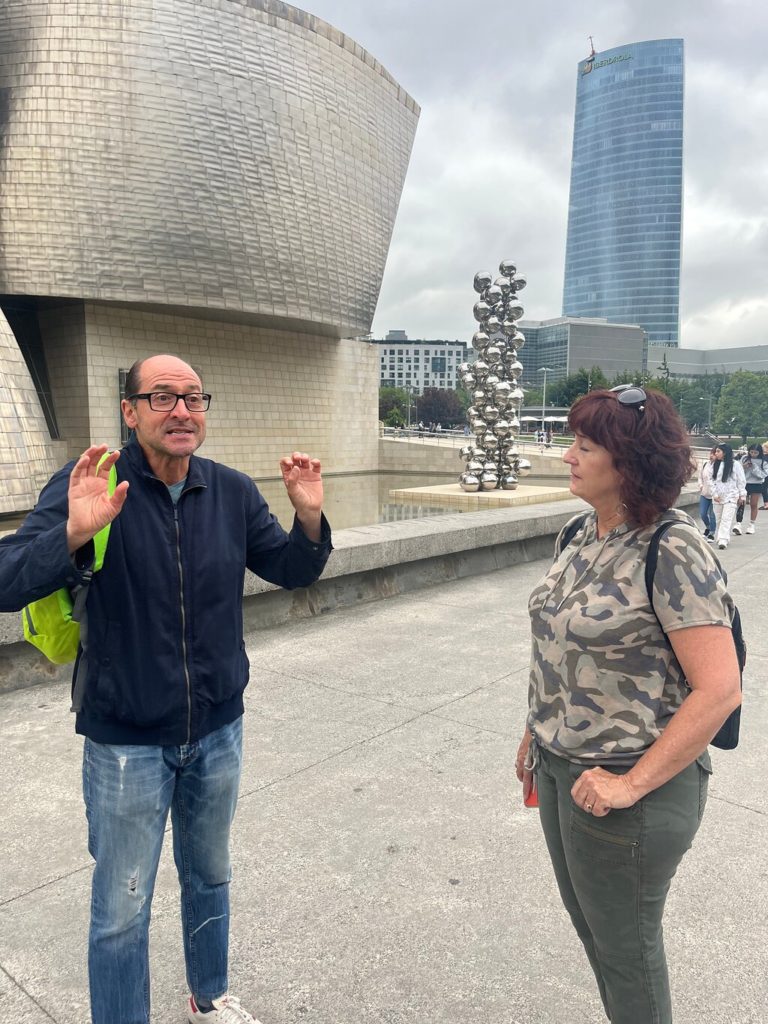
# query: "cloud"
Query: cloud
465,210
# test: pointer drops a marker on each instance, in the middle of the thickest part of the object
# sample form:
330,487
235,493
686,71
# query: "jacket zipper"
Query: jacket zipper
183,624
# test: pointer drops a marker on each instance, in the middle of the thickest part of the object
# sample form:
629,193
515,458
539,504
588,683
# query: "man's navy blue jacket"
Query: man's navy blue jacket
164,660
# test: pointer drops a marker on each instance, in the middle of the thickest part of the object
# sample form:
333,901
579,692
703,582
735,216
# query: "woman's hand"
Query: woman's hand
597,792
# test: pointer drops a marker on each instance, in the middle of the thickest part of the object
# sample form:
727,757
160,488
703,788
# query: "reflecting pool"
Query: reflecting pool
359,499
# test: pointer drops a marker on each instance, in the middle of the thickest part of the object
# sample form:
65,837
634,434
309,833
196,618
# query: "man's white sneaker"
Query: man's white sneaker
751,528
226,1010
737,530
722,545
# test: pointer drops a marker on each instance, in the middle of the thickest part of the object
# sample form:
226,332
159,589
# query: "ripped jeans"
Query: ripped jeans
128,792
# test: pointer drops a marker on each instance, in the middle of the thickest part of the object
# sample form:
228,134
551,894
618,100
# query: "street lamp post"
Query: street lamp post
545,370
666,372
708,400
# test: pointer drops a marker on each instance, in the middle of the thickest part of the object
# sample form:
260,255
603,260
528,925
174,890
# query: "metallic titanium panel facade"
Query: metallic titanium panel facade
622,259
235,155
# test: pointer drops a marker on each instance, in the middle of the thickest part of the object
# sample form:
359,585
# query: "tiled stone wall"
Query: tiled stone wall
223,154
27,454
273,391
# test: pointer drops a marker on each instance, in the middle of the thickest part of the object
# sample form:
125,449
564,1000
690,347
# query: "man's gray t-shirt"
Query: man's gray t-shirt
176,489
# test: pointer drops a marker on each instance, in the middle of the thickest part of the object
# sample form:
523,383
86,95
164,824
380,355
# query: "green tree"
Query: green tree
393,400
693,406
743,406
440,405
676,391
394,418
565,392
627,377
465,400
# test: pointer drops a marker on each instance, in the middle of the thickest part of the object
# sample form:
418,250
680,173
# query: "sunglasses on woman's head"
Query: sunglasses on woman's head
631,395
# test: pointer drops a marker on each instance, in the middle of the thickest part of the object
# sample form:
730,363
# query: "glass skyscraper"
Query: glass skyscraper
622,258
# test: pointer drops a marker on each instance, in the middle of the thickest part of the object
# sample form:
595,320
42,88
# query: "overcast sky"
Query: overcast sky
490,168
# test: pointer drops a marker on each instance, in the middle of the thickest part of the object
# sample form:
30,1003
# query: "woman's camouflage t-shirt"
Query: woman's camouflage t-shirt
604,680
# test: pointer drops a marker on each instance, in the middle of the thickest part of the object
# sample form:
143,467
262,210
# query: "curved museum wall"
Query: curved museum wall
228,155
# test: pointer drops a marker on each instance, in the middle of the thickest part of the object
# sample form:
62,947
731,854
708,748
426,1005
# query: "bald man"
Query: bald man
159,678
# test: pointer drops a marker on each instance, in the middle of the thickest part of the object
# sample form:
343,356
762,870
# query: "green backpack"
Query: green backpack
52,623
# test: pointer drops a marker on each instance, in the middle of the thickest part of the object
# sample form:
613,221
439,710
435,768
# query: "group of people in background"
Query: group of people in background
728,482
544,438
431,428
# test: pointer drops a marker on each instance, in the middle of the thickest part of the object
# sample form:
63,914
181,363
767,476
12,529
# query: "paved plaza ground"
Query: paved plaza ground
385,869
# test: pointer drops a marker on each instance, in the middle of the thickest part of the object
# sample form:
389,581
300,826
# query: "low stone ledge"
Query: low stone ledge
368,563
388,545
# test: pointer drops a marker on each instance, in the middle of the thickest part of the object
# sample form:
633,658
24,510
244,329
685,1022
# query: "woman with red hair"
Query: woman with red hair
625,694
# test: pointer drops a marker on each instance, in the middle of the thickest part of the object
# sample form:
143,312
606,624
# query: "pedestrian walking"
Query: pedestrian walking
729,492
756,473
706,510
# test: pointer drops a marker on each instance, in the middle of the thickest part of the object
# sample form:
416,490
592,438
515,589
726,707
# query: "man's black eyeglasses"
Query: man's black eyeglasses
166,401
632,395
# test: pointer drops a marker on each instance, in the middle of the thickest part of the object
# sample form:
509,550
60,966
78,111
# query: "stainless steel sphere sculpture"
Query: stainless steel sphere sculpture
493,461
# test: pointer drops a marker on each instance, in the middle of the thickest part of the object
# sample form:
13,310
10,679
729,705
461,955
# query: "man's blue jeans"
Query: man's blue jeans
128,792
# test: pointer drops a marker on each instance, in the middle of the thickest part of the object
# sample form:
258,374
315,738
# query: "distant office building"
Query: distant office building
622,258
567,344
419,364
693,362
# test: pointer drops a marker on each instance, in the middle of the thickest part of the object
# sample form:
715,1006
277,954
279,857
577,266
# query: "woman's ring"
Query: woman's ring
588,807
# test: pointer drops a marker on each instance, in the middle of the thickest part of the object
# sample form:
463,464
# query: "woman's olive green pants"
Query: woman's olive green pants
614,874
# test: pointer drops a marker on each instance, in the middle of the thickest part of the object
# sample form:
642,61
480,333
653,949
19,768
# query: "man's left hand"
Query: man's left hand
304,484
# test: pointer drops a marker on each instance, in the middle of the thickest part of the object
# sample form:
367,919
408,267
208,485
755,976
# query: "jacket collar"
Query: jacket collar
138,461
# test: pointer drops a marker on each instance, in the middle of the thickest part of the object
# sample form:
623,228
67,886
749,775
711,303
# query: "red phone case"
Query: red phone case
532,800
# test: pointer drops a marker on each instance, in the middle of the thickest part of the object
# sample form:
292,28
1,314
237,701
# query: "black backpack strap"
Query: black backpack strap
652,558
570,532
727,736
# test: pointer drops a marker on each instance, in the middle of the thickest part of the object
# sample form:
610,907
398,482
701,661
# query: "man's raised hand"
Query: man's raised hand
304,484
91,507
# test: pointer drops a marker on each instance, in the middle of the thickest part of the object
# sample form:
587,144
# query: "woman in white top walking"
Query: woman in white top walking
706,511
755,470
729,490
